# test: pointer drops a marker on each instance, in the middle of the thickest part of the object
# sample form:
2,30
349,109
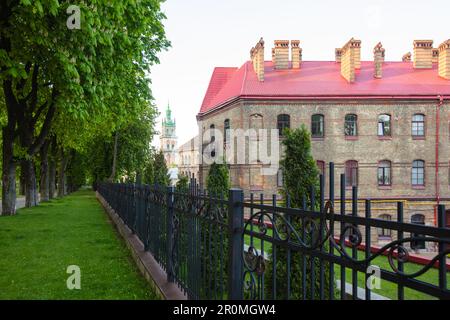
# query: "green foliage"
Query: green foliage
218,180
300,174
182,183
160,170
299,168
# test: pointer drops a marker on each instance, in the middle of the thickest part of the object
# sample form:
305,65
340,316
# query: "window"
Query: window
417,219
213,138
350,125
384,125
351,173
212,129
279,178
317,126
283,121
226,129
418,173
385,233
418,125
321,167
384,173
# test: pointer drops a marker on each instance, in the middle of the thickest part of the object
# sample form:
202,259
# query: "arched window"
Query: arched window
384,173
256,121
417,219
317,126
351,125
385,233
418,173
384,125
351,173
226,129
418,125
283,121
321,166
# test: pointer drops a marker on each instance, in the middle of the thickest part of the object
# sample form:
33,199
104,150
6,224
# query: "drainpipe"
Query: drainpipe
438,197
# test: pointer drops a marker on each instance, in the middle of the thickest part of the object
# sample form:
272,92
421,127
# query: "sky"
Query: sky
215,33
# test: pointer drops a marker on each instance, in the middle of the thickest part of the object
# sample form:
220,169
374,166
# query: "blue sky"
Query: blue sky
210,33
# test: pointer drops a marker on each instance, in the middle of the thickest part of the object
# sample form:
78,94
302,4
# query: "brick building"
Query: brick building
385,124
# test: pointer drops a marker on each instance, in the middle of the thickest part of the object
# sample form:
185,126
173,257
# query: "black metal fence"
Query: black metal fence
222,247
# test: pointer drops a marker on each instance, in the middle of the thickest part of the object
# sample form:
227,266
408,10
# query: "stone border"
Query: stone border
144,260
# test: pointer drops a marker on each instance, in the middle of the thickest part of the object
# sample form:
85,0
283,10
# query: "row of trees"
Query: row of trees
75,103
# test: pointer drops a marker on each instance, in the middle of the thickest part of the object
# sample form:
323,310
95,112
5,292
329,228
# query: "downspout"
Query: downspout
438,197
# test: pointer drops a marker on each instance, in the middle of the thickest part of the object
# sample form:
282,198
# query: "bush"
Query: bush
300,174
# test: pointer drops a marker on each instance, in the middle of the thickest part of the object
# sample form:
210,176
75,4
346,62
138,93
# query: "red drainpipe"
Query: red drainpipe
438,197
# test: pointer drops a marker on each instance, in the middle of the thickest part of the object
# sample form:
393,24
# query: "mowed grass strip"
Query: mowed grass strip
39,243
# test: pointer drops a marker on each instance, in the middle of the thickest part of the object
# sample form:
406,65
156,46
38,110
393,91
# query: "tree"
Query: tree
218,180
160,171
300,175
95,74
182,183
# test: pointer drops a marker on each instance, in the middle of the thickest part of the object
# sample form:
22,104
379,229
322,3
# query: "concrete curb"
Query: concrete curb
145,261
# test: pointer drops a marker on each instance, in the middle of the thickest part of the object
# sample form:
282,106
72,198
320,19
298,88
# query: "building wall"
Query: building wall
368,149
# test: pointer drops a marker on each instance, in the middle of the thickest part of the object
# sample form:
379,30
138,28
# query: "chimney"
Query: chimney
406,57
435,58
338,54
444,60
257,56
281,54
378,59
296,53
423,54
349,59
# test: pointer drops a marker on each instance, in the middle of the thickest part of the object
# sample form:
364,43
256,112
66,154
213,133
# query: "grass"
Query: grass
39,243
388,289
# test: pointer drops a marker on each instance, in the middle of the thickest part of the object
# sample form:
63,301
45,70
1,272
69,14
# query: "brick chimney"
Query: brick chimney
351,57
281,54
296,53
435,58
406,57
378,59
444,60
338,54
423,54
257,57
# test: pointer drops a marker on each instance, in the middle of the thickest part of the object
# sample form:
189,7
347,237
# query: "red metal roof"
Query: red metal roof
322,79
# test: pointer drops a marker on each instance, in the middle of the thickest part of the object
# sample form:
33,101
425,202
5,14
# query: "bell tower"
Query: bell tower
168,138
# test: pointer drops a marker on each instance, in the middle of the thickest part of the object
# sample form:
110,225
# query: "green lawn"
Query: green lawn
38,245
388,289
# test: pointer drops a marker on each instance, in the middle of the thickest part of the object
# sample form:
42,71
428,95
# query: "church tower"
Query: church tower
168,138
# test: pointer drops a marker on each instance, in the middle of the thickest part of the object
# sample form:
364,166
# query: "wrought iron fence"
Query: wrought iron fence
222,247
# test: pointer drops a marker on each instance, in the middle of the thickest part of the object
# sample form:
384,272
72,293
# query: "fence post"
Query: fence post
170,239
235,244
442,260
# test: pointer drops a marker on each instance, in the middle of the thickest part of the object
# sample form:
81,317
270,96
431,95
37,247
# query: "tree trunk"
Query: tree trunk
62,174
22,183
30,183
44,184
8,174
51,178
114,164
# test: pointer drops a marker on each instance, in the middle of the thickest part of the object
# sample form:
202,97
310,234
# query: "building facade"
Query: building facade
385,125
188,158
168,138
